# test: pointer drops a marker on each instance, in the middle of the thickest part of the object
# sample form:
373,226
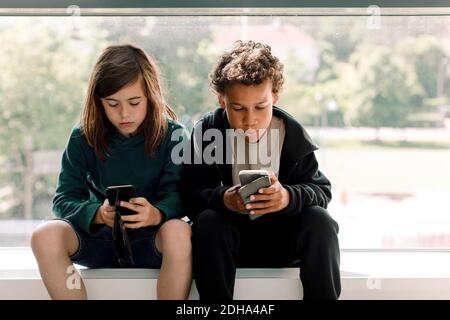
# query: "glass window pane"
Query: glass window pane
372,91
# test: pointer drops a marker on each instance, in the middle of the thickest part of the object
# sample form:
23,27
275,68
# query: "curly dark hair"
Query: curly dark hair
248,63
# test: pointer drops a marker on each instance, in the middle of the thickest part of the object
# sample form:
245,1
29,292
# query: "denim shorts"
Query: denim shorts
97,250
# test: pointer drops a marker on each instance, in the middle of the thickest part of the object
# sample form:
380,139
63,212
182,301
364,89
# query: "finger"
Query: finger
273,177
263,211
239,205
260,197
258,205
133,225
108,215
108,221
131,217
139,201
270,190
237,198
234,188
130,206
108,208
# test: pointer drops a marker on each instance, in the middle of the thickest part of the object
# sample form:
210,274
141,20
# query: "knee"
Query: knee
48,237
320,220
175,237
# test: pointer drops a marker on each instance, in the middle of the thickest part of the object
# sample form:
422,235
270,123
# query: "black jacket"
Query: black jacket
203,185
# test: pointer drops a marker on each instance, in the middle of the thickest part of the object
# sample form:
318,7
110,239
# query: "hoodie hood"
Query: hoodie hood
117,141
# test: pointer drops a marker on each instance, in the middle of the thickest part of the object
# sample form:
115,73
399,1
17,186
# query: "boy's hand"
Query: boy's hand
146,214
105,214
232,200
268,200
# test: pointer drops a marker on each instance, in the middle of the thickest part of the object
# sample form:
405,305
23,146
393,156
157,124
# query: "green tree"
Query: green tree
322,94
182,49
388,89
43,80
430,63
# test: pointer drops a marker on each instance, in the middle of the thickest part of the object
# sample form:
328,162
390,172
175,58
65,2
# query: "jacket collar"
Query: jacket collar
297,143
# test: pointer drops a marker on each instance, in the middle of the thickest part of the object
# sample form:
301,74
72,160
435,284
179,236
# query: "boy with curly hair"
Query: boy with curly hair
293,227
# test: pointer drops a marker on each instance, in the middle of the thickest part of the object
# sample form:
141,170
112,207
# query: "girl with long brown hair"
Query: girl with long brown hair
124,138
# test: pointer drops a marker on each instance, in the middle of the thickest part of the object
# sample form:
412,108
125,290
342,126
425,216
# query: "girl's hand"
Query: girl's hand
146,214
268,200
105,214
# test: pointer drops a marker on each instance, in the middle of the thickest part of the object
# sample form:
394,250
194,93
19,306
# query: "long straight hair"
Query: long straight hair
117,67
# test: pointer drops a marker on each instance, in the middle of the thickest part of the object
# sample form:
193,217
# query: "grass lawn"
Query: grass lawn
386,167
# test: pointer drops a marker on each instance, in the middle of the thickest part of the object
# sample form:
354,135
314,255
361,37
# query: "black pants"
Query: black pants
224,241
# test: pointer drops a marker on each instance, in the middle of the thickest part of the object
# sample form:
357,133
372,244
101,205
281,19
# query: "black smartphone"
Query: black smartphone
115,194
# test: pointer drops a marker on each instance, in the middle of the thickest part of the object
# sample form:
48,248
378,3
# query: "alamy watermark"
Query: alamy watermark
232,146
73,281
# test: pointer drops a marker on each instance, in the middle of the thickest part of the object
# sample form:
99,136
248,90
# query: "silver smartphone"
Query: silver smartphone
251,182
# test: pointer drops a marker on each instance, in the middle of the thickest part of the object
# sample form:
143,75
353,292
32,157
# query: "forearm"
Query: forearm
79,213
306,195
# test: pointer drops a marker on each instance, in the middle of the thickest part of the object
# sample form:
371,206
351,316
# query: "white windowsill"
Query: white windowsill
365,275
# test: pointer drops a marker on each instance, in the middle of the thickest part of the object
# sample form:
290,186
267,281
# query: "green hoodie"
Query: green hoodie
84,178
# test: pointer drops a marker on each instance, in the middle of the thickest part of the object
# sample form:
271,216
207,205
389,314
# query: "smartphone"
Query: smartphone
115,194
251,182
